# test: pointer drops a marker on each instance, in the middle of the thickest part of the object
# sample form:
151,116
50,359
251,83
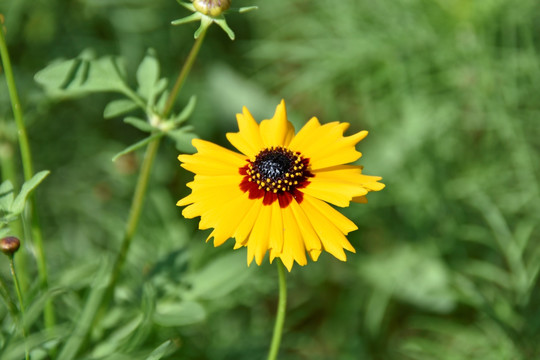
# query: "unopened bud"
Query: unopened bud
9,245
211,7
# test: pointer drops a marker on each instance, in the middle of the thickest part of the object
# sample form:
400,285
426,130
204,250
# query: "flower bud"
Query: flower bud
211,7
9,245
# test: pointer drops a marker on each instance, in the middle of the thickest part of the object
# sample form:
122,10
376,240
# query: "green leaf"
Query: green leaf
6,197
148,74
183,138
35,310
218,278
147,309
160,105
117,338
57,74
18,204
186,112
179,313
159,87
119,107
167,348
137,145
104,75
139,123
82,75
83,323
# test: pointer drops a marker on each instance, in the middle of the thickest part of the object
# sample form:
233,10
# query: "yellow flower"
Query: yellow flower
274,195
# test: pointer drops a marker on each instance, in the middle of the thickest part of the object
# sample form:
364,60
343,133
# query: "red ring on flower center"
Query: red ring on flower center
276,174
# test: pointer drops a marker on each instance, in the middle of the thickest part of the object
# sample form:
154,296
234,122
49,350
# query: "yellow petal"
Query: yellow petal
293,244
276,230
258,242
212,159
277,131
246,225
205,188
335,217
311,239
333,192
229,218
332,237
339,185
304,136
360,200
325,145
314,254
248,139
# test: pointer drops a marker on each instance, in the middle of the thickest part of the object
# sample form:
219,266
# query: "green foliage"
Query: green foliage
12,206
87,74
448,255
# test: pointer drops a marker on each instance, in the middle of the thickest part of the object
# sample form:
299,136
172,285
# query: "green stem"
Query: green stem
184,73
134,214
280,316
26,156
7,298
17,110
8,172
21,303
142,182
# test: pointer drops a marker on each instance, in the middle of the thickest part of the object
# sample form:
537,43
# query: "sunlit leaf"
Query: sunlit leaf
82,75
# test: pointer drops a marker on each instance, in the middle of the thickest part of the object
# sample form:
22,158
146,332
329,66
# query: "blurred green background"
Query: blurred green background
447,255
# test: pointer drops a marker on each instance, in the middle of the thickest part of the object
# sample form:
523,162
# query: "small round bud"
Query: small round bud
9,245
211,7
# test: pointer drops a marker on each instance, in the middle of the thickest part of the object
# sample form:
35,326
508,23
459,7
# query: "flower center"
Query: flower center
276,174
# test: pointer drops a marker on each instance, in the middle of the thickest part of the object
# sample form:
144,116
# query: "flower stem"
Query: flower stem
134,214
21,303
280,316
28,171
184,73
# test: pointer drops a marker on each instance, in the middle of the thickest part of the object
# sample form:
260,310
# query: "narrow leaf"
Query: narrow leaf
187,111
18,204
137,145
6,196
158,88
168,347
118,107
183,138
139,124
82,325
179,313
